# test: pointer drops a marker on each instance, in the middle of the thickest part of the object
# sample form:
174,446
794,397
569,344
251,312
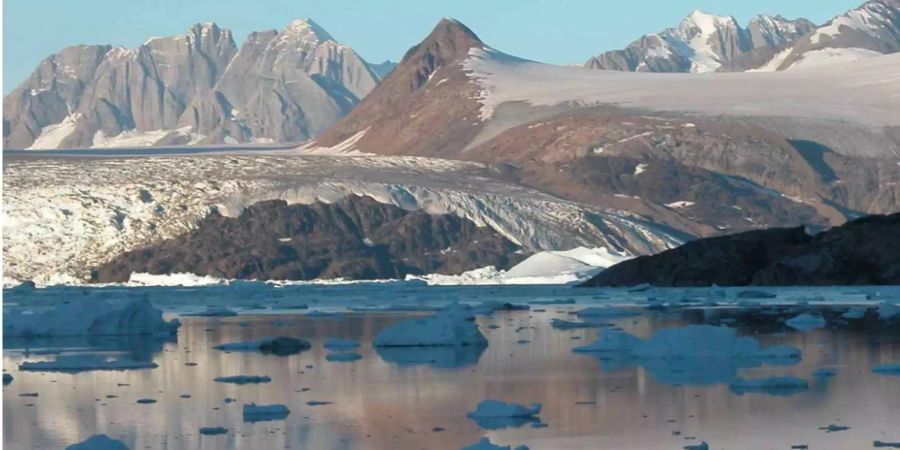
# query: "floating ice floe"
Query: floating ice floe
243,379
888,311
496,414
887,369
834,428
561,324
7,378
692,355
211,431
340,344
212,312
282,346
770,386
854,313
84,363
88,317
824,373
453,326
701,446
806,322
343,357
606,312
324,314
882,444
485,444
99,442
261,413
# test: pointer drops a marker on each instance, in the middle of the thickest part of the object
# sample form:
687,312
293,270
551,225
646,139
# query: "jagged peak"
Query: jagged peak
706,21
449,40
307,27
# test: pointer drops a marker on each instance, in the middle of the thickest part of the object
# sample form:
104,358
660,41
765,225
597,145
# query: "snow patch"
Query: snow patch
52,135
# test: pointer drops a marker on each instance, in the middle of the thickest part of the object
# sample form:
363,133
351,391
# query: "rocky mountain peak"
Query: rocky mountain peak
307,31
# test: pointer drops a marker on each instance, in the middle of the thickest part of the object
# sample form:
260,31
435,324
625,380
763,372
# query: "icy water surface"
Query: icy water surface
383,402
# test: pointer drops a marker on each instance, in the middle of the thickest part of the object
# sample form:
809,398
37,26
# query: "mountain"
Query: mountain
871,30
705,43
861,252
196,88
702,154
354,238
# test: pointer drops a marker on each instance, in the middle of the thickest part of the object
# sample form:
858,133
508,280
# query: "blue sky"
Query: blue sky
556,31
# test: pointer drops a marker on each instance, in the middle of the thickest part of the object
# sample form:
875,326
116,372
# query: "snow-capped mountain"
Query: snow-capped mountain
705,42
701,154
280,86
872,29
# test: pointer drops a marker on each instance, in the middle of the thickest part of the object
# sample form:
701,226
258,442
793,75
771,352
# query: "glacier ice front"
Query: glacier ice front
88,317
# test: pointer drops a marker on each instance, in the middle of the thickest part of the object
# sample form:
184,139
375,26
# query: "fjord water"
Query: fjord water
385,401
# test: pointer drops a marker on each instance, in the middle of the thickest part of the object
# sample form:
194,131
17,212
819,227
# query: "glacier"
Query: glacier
64,215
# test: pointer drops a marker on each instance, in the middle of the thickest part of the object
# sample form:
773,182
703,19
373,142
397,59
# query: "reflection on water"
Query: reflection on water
395,398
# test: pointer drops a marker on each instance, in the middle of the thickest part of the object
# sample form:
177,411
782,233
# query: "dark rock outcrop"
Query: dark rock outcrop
355,238
865,251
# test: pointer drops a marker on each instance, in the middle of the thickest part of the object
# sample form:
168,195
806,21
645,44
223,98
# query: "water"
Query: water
377,403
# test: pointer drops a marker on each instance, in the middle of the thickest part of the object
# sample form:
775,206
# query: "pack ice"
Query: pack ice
88,317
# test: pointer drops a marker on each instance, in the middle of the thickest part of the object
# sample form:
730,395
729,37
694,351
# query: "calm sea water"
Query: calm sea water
380,402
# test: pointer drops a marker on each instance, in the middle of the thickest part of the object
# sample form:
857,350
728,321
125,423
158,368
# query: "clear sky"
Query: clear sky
555,31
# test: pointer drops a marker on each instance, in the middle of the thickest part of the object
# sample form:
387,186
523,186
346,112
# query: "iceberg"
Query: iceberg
496,414
261,413
887,311
85,363
452,326
485,444
7,378
854,313
99,442
281,346
87,317
445,357
806,322
340,344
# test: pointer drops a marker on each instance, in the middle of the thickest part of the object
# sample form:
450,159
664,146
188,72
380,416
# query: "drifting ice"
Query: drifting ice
452,326
84,317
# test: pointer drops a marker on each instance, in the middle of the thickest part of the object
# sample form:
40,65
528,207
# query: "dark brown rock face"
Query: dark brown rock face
862,252
355,238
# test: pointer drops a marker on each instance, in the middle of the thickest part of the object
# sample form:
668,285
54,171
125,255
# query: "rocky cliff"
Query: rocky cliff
865,251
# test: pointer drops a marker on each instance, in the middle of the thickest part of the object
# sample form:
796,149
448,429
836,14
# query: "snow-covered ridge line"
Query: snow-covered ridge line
65,216
860,93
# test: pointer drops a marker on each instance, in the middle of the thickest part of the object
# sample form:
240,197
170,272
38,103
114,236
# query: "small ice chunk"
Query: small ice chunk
561,324
887,369
770,386
806,322
99,442
84,363
343,357
834,428
701,446
340,344
243,379
7,378
497,408
611,341
210,431
452,326
260,413
888,311
496,414
606,312
824,373
882,444
485,444
282,346
854,313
